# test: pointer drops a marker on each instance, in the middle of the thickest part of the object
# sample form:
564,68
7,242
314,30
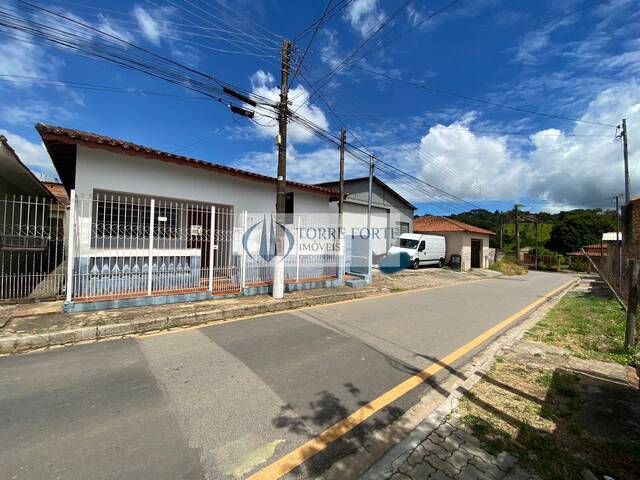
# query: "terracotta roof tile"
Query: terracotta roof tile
58,191
432,224
93,140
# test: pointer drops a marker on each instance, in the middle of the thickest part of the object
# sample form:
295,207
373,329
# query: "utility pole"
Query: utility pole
369,201
625,149
517,220
619,243
283,110
343,141
537,218
501,228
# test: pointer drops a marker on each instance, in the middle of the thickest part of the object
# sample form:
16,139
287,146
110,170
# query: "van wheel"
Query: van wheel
441,263
415,264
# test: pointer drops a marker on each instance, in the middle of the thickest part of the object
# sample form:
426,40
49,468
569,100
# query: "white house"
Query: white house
151,223
468,241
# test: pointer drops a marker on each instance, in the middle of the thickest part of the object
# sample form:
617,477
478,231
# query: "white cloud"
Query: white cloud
20,58
364,16
111,27
34,155
552,166
154,24
263,84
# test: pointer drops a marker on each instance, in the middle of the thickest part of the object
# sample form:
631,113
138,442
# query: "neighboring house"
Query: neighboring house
31,231
597,252
611,236
140,209
391,214
468,241
15,176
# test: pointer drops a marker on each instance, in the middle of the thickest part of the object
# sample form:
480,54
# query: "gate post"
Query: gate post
298,252
212,230
150,261
243,253
72,223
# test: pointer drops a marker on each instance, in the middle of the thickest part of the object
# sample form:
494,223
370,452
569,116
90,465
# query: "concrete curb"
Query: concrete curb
398,454
24,343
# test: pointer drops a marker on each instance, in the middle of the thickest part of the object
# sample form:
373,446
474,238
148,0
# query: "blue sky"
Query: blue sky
572,58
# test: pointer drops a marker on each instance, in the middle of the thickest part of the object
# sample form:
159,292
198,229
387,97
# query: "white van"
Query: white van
422,249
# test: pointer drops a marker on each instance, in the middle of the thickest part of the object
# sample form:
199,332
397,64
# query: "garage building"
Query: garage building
468,241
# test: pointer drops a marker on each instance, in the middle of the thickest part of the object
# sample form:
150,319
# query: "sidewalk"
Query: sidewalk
30,326
537,410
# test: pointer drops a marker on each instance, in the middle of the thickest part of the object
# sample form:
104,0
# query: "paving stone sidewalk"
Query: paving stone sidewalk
449,451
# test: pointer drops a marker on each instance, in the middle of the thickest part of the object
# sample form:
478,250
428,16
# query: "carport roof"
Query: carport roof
433,224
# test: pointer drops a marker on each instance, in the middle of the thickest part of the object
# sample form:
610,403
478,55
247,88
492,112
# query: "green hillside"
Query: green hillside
559,232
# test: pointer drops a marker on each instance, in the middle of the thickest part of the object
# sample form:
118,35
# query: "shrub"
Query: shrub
508,267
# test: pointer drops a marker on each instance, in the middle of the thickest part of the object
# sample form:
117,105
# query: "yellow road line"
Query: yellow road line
314,446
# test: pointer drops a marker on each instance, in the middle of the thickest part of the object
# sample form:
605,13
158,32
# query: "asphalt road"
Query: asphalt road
226,400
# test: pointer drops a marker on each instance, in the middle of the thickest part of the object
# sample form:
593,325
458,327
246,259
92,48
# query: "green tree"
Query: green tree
577,228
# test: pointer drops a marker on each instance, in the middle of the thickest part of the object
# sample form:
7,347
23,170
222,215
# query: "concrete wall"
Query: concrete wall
103,170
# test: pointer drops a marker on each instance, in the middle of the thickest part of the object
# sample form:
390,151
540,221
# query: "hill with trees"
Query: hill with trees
561,232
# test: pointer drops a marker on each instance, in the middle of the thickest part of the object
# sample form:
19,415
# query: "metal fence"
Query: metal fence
133,245
32,248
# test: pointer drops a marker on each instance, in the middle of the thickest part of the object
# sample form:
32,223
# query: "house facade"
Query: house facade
391,215
154,224
468,241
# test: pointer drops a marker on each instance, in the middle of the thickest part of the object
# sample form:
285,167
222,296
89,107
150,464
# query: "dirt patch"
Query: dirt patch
557,421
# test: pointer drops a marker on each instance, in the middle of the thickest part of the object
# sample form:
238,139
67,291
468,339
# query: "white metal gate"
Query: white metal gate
32,248
127,245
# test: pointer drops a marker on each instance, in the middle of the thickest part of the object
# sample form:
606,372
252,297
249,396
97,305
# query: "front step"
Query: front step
355,281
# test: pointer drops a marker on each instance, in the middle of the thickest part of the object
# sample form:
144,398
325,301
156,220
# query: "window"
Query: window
403,227
121,216
407,243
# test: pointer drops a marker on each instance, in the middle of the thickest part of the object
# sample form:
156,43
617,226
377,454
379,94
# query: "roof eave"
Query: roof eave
49,134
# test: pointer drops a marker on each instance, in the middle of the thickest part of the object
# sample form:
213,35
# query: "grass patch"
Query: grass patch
588,326
508,267
536,414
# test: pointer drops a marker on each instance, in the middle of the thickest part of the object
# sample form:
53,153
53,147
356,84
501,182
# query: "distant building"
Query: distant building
611,236
15,176
468,241
391,214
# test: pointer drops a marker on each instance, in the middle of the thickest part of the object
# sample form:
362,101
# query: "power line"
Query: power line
93,86
379,26
154,64
337,8
480,100
313,36
413,27
415,121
